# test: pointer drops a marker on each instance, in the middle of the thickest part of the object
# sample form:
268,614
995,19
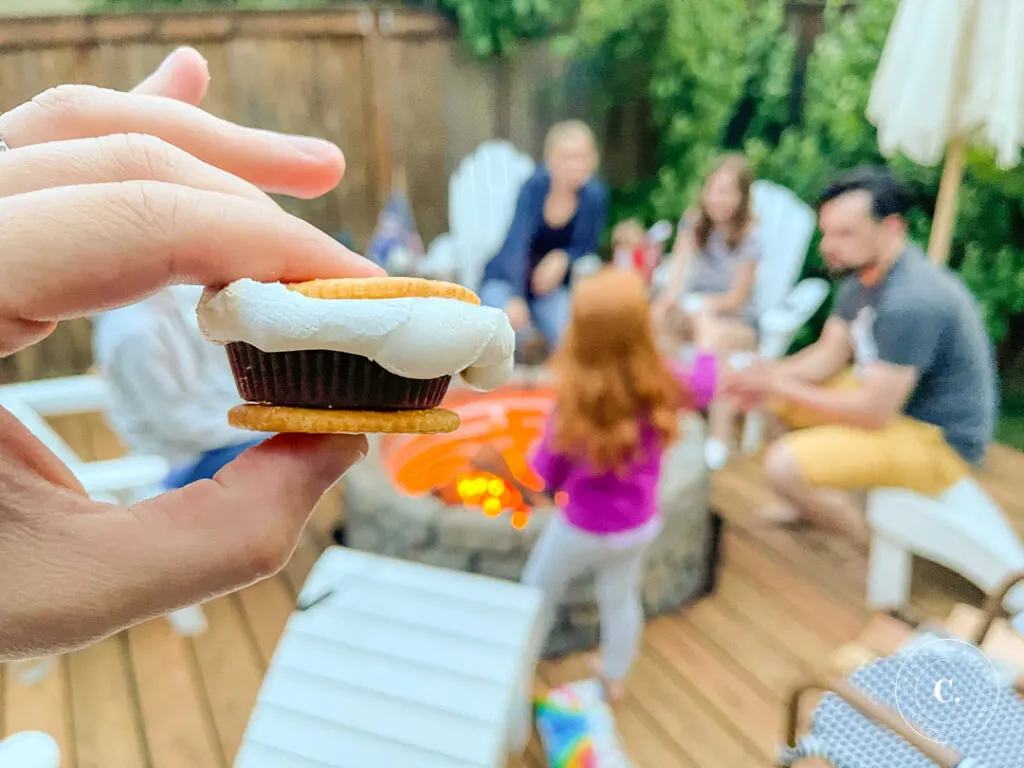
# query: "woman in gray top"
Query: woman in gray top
709,297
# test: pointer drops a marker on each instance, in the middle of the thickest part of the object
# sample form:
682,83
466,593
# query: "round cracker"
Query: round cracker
283,419
384,288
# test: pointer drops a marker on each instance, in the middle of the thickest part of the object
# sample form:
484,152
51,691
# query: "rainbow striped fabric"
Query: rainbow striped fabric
577,728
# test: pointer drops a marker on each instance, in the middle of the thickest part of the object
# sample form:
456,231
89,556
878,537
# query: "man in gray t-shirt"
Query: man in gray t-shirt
922,317
918,407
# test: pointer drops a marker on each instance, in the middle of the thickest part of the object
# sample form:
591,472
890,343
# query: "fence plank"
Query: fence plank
389,86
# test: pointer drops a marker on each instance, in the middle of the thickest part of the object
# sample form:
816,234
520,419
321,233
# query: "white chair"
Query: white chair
481,202
29,749
392,663
963,530
126,480
787,225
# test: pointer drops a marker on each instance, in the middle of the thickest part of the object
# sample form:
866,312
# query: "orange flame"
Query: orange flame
509,418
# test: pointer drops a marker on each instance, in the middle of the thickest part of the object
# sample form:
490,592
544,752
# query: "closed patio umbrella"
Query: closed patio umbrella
951,75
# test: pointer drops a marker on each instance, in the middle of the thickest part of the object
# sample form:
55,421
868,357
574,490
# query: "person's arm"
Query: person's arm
508,261
832,351
697,384
593,219
683,250
551,466
742,287
821,360
907,342
146,374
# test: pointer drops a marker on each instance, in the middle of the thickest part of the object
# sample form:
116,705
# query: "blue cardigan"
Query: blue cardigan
511,264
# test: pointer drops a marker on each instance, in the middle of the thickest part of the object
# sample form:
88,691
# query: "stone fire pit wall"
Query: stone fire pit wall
380,519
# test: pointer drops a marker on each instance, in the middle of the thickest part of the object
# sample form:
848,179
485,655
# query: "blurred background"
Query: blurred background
419,84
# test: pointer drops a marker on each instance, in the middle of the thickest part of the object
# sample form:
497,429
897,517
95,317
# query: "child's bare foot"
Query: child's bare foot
614,690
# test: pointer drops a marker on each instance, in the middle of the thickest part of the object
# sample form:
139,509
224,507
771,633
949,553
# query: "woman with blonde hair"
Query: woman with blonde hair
560,214
709,297
616,410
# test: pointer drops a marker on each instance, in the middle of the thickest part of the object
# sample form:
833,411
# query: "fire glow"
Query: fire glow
509,421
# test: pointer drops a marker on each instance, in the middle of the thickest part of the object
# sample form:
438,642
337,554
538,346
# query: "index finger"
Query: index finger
299,166
72,251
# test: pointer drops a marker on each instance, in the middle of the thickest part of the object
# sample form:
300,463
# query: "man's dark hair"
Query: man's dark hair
888,195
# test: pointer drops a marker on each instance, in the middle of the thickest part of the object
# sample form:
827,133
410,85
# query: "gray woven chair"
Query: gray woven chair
939,701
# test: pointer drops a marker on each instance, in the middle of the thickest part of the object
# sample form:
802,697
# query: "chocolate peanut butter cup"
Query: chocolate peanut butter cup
324,379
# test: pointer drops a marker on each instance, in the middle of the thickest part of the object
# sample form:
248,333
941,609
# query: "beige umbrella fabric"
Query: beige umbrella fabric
951,74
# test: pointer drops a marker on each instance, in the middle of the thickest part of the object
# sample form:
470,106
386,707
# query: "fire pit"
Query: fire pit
419,497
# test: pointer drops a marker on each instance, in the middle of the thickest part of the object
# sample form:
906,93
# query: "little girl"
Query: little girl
616,409
635,248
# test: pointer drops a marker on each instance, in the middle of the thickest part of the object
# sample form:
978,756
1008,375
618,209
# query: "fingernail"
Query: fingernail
362,449
348,448
166,63
318,149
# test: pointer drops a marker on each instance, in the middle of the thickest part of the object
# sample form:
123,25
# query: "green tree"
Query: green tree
700,66
492,27
834,134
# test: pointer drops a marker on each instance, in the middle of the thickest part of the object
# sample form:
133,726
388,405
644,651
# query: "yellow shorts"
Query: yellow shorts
906,453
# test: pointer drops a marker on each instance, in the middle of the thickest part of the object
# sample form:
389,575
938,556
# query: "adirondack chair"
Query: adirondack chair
122,481
126,480
787,224
963,530
481,202
29,749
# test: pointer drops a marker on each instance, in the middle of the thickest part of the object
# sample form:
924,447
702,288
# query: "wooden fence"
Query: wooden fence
393,88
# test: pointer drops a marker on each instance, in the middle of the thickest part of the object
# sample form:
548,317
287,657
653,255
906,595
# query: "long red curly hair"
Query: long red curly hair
610,377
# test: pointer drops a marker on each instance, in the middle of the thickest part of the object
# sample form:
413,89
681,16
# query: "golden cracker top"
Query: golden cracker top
383,288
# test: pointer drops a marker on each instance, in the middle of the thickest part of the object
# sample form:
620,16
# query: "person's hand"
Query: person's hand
550,272
105,198
748,385
518,313
660,308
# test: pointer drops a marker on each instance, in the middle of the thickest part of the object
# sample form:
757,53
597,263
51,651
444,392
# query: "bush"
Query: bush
701,66
720,76
834,134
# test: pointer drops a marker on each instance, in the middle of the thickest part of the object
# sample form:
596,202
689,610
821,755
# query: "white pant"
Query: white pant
562,553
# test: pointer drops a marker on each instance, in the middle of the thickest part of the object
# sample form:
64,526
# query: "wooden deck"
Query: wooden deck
706,692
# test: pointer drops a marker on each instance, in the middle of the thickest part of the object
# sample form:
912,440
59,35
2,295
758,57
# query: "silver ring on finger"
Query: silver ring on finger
3,145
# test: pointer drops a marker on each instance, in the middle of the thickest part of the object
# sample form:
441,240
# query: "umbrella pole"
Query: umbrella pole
945,207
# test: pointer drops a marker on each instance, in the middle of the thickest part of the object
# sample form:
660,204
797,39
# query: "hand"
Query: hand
695,304
550,272
660,308
750,385
105,198
518,313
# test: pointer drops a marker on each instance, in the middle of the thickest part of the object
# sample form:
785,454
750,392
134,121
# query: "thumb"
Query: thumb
214,536
182,76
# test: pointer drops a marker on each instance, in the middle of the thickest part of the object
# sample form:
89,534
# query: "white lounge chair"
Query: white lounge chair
126,480
392,663
963,530
482,197
481,202
787,225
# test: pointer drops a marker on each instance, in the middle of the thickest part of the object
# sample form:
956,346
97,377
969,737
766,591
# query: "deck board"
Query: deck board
707,691
174,711
231,670
104,708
